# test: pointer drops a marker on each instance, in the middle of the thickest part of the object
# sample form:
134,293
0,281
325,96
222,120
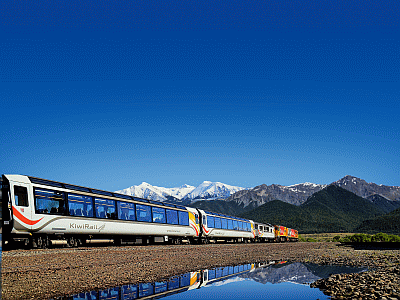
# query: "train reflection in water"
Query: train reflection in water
156,290
272,272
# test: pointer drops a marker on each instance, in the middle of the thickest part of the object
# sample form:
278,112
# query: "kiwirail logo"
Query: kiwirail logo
87,226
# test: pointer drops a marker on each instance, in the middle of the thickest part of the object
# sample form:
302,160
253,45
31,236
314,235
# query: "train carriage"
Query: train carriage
264,232
42,210
217,226
41,213
281,233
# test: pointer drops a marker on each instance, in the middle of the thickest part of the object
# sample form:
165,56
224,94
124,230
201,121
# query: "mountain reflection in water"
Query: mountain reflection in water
271,275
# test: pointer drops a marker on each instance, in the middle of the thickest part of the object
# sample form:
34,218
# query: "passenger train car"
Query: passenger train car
41,213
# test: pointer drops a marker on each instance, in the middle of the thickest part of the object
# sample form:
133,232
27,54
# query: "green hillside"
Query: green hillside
276,212
389,223
335,209
332,209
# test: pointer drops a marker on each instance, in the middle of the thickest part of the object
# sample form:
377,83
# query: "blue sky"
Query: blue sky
109,94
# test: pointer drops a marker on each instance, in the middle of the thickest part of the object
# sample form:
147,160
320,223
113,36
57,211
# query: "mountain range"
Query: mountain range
295,194
349,204
185,194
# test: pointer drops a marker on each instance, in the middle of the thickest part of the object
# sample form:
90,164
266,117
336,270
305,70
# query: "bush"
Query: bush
380,237
311,240
336,238
360,238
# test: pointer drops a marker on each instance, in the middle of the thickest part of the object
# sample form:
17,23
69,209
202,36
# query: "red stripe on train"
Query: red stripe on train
19,216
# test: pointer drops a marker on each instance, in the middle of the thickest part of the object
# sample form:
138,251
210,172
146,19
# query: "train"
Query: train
40,213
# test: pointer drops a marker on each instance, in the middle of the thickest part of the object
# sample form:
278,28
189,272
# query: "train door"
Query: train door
5,214
22,205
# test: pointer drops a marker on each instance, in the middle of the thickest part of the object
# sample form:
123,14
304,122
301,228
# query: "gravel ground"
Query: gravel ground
43,274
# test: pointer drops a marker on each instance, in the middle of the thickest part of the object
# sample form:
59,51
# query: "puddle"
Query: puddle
272,280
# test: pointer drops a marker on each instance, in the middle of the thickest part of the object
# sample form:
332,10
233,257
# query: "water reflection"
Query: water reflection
271,275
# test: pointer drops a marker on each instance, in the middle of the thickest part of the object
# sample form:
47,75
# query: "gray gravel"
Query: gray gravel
43,274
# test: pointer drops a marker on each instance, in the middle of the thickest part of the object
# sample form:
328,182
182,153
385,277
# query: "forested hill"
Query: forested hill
389,223
332,209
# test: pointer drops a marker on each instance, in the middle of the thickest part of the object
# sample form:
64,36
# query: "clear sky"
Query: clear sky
108,94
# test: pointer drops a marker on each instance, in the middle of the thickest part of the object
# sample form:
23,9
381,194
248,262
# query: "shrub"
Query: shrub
336,238
394,238
360,238
311,240
380,237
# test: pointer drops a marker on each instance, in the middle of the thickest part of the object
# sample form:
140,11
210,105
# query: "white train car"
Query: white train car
264,232
43,212
217,227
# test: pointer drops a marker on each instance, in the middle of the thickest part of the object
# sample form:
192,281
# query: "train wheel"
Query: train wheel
42,242
72,242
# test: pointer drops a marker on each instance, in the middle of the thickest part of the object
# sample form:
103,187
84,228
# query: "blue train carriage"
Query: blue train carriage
41,213
219,227
264,232
210,276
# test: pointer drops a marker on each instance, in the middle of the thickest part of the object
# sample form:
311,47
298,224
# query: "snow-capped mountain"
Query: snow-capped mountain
212,190
186,193
365,189
148,191
293,194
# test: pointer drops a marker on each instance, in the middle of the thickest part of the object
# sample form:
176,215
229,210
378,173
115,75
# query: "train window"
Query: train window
210,222
160,287
105,208
145,289
240,224
218,272
111,293
183,218
129,291
49,202
211,274
158,214
235,225
204,220
224,223
185,279
173,283
21,196
230,224
217,222
79,205
248,227
143,213
172,216
126,211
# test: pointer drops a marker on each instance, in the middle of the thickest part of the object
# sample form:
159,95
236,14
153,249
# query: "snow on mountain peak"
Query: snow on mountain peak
206,190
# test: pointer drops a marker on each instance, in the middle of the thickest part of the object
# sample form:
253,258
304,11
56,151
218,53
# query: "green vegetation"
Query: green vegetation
332,209
366,238
389,223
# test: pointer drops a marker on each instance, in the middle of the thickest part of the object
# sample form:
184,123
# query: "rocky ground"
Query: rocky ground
43,274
